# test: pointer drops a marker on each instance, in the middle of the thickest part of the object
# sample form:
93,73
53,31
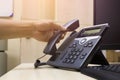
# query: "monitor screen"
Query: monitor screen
107,11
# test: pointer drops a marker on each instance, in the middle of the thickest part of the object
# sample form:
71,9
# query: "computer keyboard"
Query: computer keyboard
104,72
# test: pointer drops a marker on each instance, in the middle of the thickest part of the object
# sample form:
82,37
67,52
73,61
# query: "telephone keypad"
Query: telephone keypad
76,51
73,54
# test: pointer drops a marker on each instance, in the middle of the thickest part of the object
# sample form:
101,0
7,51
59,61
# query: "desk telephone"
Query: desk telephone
77,51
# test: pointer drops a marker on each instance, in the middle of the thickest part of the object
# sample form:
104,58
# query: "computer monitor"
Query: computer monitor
107,11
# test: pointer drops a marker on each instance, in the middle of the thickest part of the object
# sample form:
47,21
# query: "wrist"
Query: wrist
34,29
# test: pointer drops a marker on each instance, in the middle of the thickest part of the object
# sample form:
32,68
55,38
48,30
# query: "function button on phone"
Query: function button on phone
81,49
82,57
75,57
70,56
88,44
66,60
83,40
73,53
72,61
76,50
77,53
84,54
74,45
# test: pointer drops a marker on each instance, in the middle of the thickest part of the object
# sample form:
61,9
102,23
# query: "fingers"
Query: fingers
43,36
56,27
49,26
61,37
45,30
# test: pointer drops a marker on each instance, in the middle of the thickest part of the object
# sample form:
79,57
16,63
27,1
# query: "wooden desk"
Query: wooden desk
26,71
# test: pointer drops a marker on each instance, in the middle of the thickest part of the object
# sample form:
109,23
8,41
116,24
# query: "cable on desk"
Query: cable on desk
38,62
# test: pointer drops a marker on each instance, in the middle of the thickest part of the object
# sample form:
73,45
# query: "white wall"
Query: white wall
69,9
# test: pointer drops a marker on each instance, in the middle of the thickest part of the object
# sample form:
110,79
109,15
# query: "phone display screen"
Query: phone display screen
93,31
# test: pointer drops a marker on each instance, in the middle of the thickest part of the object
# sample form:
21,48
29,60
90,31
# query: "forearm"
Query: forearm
40,30
15,29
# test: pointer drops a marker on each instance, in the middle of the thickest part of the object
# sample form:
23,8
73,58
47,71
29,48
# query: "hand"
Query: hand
45,30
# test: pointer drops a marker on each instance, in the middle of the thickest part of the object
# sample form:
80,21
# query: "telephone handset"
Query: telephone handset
78,49
51,46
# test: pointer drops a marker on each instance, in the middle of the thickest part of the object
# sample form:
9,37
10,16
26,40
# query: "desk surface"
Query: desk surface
26,71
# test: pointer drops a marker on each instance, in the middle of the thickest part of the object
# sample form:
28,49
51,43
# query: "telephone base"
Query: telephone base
99,58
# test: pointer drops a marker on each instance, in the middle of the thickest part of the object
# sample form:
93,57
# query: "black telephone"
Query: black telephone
78,49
